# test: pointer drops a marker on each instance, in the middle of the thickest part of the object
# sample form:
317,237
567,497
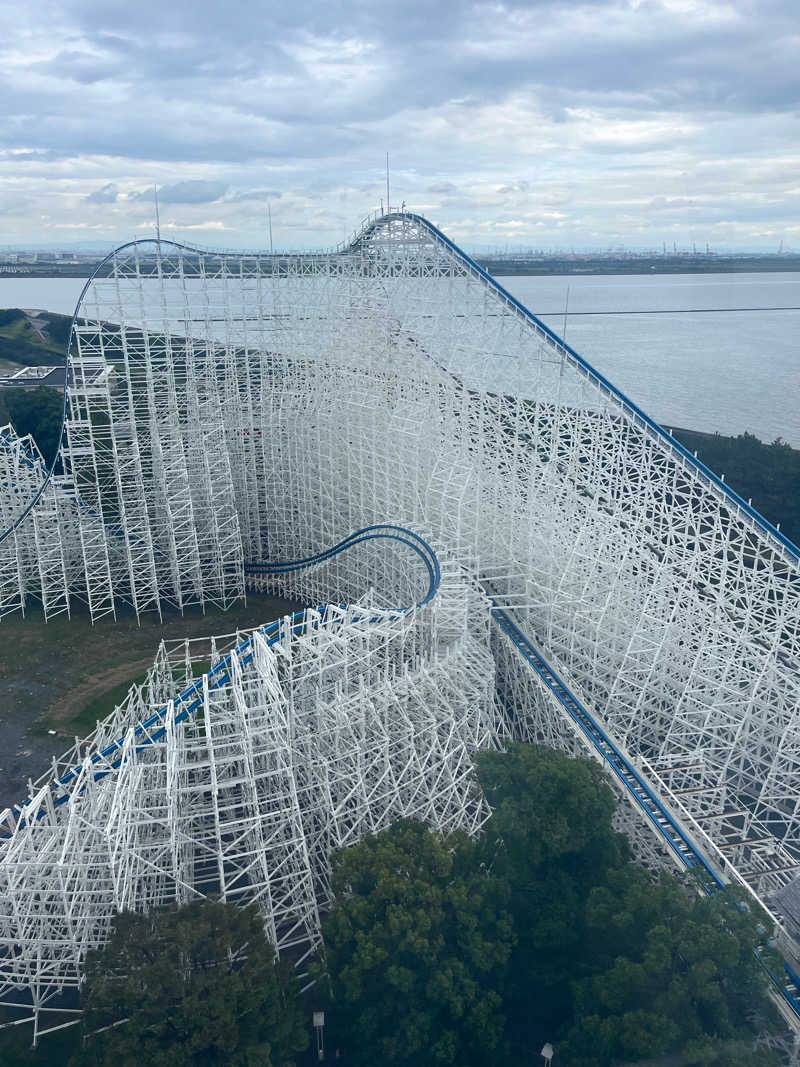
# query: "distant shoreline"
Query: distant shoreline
508,266
651,265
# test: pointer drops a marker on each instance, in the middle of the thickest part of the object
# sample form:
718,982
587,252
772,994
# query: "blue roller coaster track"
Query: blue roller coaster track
190,699
736,502
676,839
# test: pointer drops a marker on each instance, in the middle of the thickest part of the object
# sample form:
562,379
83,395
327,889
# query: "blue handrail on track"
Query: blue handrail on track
401,533
187,702
643,795
737,501
675,837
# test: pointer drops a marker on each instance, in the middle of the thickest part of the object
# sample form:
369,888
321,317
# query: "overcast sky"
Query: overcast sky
549,123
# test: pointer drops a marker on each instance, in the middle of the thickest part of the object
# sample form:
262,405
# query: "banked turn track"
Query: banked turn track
635,607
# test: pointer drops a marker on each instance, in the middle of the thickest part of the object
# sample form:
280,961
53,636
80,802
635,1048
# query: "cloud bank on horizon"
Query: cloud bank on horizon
546,123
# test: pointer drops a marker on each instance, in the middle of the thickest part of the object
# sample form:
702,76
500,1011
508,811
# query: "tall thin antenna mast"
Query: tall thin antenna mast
269,219
387,184
158,220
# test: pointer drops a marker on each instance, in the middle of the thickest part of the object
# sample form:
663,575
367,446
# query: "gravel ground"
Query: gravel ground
50,671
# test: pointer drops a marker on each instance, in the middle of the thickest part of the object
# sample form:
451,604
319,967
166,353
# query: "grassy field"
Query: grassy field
104,703
77,660
97,708
21,344
66,674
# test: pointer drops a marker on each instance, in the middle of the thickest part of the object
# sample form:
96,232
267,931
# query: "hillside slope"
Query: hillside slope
32,338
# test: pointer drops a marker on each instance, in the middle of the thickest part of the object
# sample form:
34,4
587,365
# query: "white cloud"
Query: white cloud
557,122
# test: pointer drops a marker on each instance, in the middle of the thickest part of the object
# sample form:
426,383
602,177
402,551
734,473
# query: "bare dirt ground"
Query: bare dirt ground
73,702
49,672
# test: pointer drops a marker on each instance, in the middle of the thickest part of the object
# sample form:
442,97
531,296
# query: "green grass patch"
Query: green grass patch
21,344
100,706
202,667
18,327
104,703
65,674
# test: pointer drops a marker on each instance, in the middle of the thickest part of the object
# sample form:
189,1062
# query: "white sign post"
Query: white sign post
318,1022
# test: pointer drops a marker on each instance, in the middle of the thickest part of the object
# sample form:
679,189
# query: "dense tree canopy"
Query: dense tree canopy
57,327
767,473
672,971
416,948
197,985
550,839
443,950
37,412
54,1050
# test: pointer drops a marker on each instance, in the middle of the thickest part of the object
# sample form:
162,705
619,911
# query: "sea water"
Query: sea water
677,344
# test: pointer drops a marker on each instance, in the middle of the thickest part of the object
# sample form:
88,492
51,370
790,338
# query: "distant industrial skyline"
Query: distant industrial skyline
88,249
548,123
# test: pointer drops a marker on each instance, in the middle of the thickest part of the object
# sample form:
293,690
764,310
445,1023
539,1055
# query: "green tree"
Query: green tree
11,316
416,946
676,973
56,1048
550,839
37,412
767,473
58,327
608,964
196,985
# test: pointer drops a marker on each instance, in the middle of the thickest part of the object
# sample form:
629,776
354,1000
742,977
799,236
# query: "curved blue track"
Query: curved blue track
677,841
191,699
187,702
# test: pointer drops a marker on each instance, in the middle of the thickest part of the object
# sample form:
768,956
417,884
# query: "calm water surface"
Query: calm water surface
45,294
720,370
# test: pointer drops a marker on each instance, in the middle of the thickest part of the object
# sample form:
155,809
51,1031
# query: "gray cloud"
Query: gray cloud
192,191
106,194
82,67
241,196
583,116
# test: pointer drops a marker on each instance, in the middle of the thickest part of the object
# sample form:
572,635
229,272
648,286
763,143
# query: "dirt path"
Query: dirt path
49,672
73,703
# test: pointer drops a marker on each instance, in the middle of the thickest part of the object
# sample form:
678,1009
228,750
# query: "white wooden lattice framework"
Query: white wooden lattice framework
306,734
262,407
